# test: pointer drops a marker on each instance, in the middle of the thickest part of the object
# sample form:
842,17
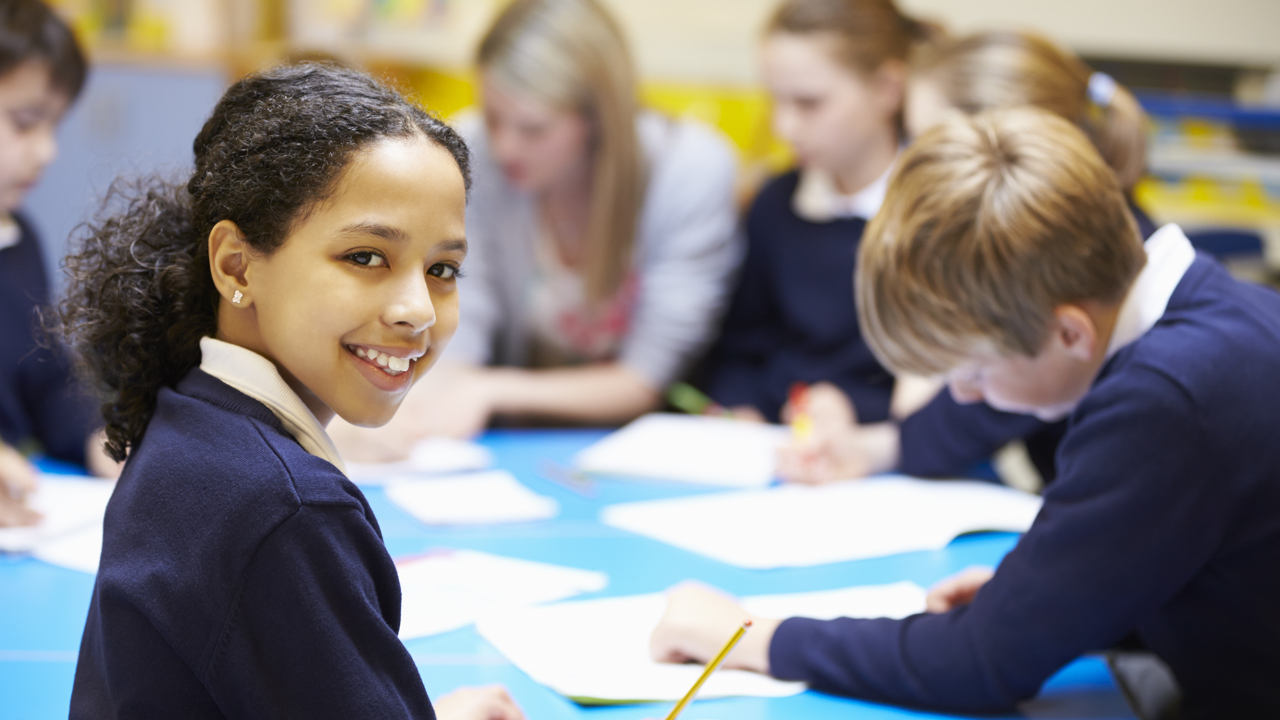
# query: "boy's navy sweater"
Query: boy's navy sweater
1164,521
241,577
793,319
39,398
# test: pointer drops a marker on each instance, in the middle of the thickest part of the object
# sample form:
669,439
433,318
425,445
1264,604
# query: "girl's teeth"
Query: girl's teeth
391,363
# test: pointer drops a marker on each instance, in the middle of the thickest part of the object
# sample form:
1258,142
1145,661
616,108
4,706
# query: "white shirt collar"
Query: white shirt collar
817,199
255,376
1169,255
10,232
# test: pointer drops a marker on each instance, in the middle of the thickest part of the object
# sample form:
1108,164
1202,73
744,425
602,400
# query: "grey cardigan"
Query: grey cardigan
687,251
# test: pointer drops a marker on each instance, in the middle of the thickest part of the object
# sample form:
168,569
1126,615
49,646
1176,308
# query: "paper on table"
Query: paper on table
799,526
688,448
68,503
597,651
78,550
448,589
472,499
432,456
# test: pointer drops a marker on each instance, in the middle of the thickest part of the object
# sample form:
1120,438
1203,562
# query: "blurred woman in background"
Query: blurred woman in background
602,238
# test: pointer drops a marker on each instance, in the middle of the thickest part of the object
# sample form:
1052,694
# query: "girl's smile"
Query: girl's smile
361,298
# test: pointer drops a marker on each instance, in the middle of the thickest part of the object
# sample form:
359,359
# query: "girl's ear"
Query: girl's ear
890,82
229,257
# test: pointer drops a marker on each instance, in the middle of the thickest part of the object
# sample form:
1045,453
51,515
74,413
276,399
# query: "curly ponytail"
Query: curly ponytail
141,292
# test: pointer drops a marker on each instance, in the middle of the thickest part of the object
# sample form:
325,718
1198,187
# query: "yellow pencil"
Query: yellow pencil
711,667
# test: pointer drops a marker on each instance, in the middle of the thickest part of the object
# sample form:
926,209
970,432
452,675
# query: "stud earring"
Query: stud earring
236,298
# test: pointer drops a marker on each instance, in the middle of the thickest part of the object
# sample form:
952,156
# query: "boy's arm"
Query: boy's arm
945,438
1109,548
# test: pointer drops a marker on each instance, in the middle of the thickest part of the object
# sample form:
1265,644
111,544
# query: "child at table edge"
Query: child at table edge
306,269
42,408
1004,258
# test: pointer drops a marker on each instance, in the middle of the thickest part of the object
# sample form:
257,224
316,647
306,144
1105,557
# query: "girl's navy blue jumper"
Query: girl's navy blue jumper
241,577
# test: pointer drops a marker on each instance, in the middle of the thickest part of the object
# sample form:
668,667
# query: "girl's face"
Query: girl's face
30,110
828,113
926,106
537,146
361,298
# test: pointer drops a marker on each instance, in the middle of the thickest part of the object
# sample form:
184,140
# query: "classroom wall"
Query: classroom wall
130,120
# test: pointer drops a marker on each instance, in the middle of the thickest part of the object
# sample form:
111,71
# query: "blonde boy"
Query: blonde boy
1004,259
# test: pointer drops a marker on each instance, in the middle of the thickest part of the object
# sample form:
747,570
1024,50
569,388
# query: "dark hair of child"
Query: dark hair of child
30,30
141,292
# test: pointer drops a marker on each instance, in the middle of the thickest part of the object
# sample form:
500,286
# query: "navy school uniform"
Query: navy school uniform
1164,521
241,577
40,401
793,319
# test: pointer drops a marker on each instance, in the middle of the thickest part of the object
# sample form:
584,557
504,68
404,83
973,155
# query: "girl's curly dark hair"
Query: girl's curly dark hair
141,292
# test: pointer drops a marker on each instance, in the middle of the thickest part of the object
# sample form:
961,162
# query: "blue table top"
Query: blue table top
42,608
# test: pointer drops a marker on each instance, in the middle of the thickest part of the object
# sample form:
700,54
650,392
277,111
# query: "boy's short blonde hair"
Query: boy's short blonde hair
991,222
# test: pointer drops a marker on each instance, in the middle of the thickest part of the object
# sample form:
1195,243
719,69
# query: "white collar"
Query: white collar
255,376
817,199
1169,255
10,232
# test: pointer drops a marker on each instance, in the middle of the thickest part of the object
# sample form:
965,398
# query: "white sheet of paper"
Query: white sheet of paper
799,526
688,448
68,503
481,498
432,456
447,589
78,550
597,651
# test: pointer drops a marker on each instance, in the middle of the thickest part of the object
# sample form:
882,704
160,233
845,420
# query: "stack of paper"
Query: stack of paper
70,534
433,456
597,651
688,448
448,589
798,526
471,499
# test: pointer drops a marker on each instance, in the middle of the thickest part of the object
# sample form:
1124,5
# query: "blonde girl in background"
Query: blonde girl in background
602,237
836,72
968,75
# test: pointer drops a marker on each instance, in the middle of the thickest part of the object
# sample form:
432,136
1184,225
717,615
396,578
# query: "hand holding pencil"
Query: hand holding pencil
699,619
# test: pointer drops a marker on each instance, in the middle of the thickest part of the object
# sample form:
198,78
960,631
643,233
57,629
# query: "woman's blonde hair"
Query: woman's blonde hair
1005,69
990,223
571,55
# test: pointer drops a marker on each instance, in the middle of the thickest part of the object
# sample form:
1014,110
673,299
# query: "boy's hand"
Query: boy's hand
18,479
957,590
490,702
698,622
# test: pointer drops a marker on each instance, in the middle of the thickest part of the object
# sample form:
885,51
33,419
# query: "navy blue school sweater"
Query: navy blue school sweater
792,317
241,577
40,400
1164,521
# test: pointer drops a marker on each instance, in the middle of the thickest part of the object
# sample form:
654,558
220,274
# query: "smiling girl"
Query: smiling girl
306,270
